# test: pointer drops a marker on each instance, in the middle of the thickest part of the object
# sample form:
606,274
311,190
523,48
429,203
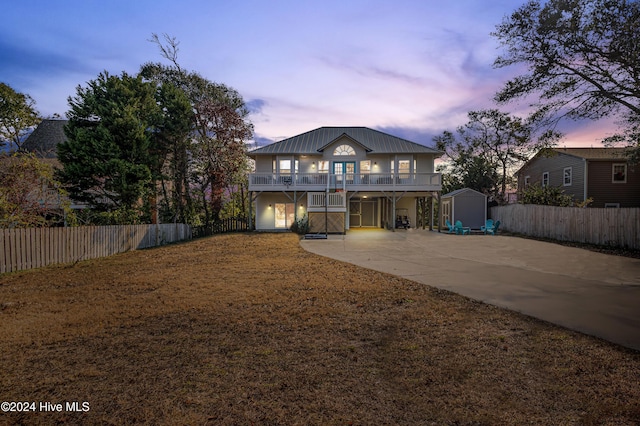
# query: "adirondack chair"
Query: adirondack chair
452,229
461,230
493,230
487,225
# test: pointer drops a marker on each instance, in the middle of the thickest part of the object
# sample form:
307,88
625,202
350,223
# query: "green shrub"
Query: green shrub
546,196
300,226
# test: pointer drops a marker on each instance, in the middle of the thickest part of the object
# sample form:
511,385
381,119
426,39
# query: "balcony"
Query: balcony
327,201
345,182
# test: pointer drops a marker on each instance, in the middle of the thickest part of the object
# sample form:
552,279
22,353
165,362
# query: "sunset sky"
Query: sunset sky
412,68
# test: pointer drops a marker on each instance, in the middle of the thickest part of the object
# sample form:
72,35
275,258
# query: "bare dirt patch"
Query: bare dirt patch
251,329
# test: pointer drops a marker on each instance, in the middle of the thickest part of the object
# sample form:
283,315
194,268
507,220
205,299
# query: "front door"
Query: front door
285,215
344,170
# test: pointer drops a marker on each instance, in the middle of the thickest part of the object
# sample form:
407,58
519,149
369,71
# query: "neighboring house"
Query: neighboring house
341,178
44,140
602,174
466,205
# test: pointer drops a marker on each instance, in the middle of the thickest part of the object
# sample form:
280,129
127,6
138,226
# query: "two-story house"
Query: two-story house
603,174
340,178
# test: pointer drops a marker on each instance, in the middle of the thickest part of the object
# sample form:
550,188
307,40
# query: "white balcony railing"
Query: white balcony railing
333,200
359,181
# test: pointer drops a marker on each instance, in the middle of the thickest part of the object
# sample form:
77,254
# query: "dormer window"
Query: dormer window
344,150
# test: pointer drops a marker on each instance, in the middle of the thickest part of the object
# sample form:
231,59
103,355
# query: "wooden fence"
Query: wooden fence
613,227
36,247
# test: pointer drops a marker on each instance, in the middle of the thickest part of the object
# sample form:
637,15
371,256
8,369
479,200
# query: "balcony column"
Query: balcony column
393,217
295,204
249,219
439,211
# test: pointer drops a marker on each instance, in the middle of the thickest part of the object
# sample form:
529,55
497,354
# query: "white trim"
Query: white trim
613,168
545,174
564,176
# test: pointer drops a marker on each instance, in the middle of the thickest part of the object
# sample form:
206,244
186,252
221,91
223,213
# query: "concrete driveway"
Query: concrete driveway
594,293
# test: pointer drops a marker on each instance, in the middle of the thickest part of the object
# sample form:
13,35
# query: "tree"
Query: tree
173,139
465,169
220,153
490,146
17,116
215,157
108,159
30,196
546,196
583,61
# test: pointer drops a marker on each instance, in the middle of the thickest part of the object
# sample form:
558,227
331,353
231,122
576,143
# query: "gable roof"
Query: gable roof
317,140
461,191
43,141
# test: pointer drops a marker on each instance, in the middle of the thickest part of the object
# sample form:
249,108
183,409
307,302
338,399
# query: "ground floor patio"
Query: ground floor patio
339,212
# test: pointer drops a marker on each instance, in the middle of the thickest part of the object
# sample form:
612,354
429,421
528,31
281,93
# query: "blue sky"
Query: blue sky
412,68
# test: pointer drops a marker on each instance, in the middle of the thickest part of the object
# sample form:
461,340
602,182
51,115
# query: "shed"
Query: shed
466,205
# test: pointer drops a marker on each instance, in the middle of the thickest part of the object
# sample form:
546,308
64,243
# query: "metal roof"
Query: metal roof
315,141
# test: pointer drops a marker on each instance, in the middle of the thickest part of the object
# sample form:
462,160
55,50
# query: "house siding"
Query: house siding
265,208
555,166
603,190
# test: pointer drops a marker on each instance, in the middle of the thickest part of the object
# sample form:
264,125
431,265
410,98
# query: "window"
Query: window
323,166
527,180
365,169
619,172
344,150
545,179
285,215
285,167
567,176
344,168
404,167
611,205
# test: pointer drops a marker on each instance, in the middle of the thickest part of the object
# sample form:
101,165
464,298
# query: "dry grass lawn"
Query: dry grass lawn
251,329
